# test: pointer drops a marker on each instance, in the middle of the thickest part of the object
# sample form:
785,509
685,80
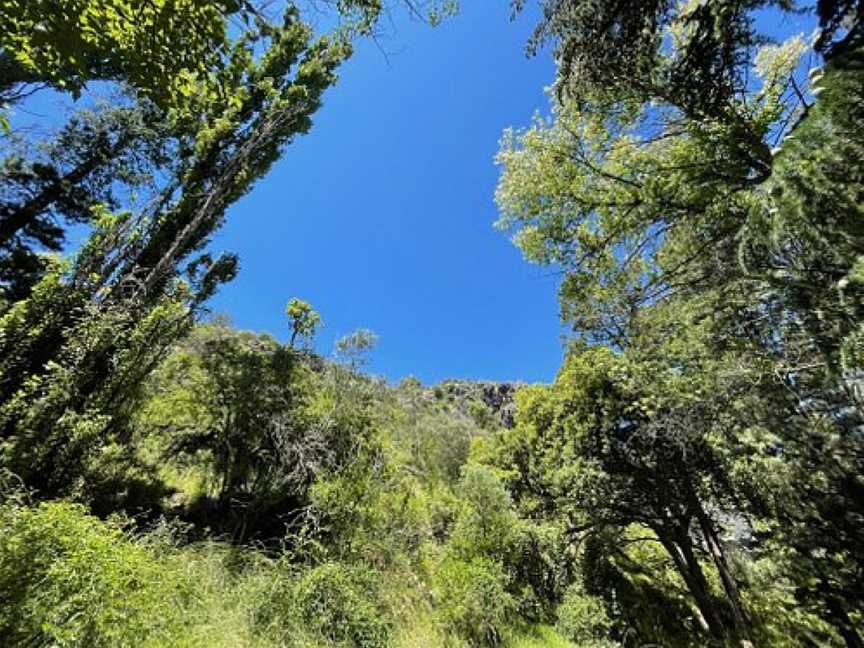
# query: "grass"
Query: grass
540,636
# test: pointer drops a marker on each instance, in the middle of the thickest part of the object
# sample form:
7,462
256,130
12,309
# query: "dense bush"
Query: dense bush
532,554
473,601
333,603
68,579
582,618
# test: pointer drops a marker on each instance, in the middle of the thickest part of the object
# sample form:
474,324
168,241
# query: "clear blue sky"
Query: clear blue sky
382,215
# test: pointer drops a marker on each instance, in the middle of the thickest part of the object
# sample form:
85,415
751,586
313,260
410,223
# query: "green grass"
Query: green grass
422,633
540,637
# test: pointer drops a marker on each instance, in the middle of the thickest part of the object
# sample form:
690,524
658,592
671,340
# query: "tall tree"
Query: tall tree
645,197
612,449
181,60
805,240
635,203
694,55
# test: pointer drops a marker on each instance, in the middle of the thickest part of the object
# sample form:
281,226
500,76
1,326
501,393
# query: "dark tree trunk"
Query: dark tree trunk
680,550
718,556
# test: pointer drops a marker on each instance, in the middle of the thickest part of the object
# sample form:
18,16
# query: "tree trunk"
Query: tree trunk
681,552
718,556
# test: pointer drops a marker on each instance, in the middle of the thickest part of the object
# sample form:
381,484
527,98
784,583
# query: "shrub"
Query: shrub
69,579
486,524
473,601
334,602
582,618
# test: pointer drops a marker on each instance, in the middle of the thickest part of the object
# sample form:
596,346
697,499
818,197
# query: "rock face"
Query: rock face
500,398
497,397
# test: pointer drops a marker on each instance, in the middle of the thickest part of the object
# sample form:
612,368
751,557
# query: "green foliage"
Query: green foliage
85,343
240,400
338,603
72,178
539,637
707,230
262,428
78,351
695,481
805,238
530,555
602,450
693,54
361,514
303,319
582,618
68,579
164,49
472,599
772,598
431,433
625,208
486,524
60,416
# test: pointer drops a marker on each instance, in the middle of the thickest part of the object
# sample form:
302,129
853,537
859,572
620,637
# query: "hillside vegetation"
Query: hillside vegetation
693,476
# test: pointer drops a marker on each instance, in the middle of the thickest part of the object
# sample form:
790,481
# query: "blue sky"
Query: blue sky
382,215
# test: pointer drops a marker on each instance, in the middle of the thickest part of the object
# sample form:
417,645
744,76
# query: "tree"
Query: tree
303,319
804,239
693,55
640,190
353,349
745,211
576,422
243,406
165,49
649,438
637,204
96,159
168,51
179,61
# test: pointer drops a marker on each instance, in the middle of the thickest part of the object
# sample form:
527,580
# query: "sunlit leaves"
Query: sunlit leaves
158,47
